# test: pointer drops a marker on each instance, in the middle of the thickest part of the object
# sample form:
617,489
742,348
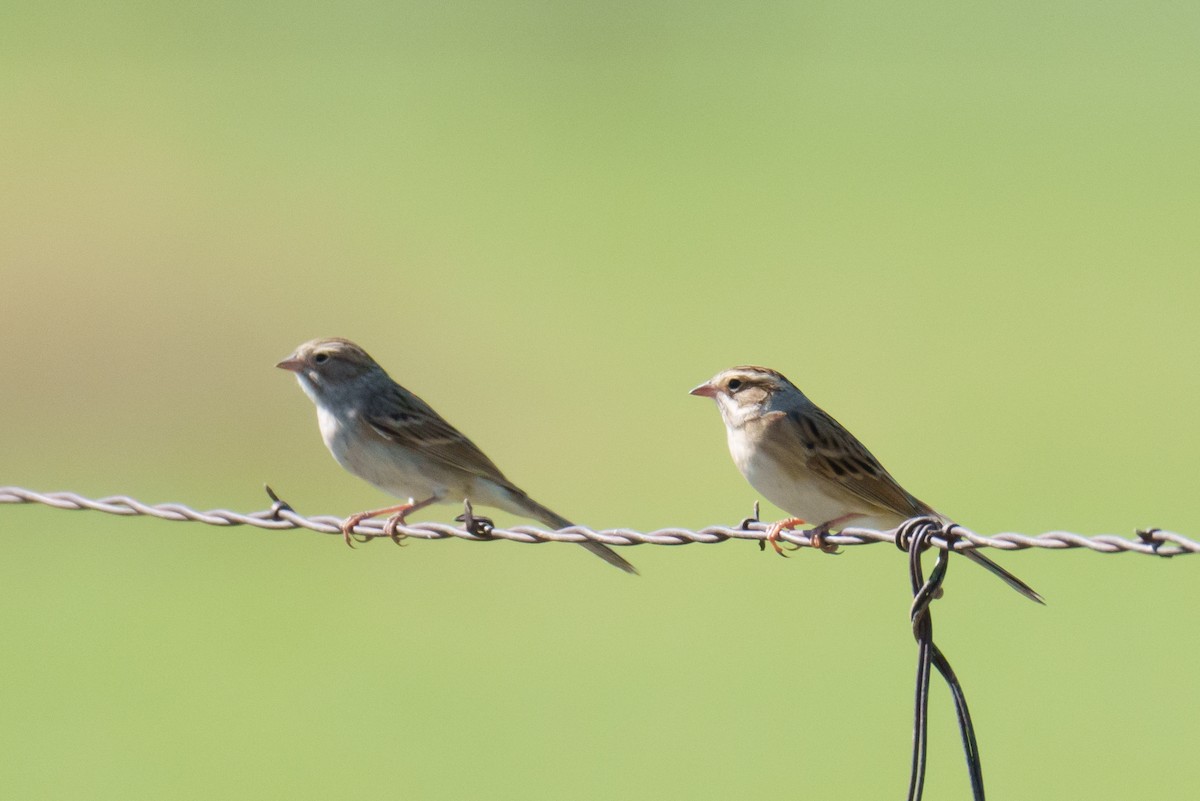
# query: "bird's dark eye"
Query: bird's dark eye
734,384
320,358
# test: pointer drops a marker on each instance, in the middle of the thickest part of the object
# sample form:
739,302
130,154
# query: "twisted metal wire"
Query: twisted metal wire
281,516
913,536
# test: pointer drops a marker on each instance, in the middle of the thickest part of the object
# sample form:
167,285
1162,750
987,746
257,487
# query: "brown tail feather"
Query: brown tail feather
1008,578
555,521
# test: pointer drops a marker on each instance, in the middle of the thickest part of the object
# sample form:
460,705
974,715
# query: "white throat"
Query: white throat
735,414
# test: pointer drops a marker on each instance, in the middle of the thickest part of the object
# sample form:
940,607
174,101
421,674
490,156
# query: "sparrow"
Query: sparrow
806,463
387,436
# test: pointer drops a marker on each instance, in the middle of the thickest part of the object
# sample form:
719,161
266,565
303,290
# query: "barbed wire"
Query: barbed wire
913,536
281,516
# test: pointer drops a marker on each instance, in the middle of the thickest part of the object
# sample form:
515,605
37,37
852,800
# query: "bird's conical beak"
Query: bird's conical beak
292,364
705,390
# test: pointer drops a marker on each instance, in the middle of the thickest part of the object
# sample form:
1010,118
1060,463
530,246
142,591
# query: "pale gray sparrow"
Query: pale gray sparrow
383,433
806,463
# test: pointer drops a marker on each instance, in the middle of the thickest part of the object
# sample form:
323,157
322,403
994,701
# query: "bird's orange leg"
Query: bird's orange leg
816,536
778,528
397,518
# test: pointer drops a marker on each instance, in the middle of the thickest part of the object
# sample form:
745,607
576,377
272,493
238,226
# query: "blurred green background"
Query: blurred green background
968,231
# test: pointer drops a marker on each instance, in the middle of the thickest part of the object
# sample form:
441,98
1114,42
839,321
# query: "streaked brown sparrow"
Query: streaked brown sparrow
383,433
806,463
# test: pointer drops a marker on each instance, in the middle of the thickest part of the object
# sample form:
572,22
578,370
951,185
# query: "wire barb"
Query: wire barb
481,527
277,505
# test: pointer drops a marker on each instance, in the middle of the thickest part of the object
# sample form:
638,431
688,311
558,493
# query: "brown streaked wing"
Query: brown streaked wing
409,421
834,453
